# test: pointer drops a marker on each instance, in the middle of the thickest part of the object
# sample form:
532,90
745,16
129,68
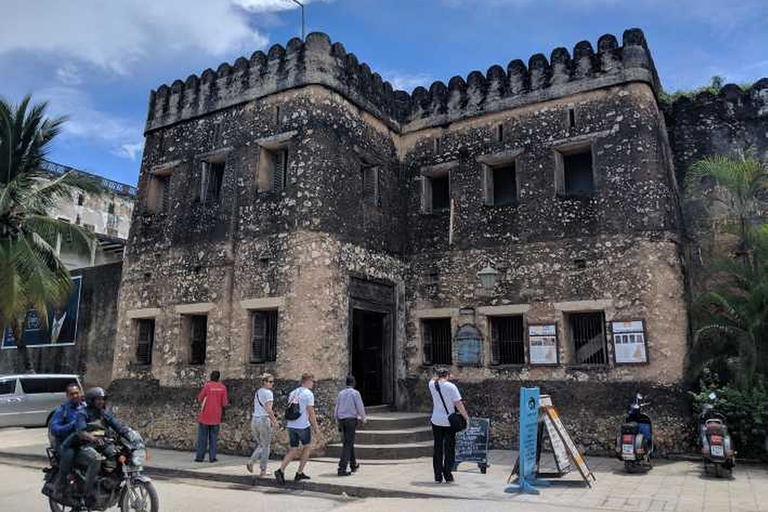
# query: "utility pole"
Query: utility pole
302,18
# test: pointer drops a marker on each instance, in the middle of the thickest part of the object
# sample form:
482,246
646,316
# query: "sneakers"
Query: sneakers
343,472
354,467
280,476
199,460
249,466
299,477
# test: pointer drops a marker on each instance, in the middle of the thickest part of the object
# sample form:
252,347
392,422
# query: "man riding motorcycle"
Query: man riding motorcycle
93,418
63,431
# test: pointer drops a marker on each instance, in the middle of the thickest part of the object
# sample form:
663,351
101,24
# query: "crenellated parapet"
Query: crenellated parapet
318,61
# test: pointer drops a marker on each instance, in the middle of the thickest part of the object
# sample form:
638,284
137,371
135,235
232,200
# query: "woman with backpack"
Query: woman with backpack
446,422
262,424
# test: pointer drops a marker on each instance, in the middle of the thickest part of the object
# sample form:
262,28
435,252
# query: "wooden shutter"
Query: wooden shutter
145,341
488,184
371,185
427,337
258,336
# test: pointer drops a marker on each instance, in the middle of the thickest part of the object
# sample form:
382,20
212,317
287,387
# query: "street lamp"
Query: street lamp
302,17
488,277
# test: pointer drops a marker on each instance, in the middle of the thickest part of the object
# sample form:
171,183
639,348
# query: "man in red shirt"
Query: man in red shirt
213,396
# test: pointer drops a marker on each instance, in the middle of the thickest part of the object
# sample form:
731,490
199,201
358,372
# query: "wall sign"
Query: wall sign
61,328
469,346
542,344
629,345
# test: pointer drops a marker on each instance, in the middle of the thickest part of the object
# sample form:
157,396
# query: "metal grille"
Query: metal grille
112,186
198,327
507,340
370,185
145,341
437,341
212,178
264,336
588,337
280,173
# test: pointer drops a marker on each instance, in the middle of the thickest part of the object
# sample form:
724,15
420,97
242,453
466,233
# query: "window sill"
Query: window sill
136,367
588,367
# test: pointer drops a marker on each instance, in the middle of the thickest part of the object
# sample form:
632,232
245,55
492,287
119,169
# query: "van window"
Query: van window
7,387
34,386
59,384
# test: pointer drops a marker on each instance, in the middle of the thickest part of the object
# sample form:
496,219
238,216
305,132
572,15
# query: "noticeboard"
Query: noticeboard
629,343
472,443
542,345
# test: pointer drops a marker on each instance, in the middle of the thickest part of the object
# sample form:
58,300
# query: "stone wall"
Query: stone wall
92,354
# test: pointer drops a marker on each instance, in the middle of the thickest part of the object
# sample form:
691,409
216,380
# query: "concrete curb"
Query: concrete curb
325,488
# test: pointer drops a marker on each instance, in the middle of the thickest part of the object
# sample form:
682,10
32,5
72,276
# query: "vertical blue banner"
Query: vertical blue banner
529,419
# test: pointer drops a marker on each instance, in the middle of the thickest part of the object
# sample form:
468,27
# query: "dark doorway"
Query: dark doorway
368,332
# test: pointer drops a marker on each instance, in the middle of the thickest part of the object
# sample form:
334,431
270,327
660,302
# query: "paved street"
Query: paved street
672,486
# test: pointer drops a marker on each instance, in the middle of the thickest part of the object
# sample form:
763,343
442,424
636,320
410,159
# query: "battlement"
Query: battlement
318,61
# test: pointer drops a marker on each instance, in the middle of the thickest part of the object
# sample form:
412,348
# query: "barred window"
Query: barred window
370,185
264,336
145,340
211,181
587,331
437,341
273,169
507,340
198,337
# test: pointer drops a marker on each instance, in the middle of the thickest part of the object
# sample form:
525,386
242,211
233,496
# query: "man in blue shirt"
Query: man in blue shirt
63,426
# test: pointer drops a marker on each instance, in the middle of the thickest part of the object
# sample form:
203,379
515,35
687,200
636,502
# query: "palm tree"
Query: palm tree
31,273
732,317
741,188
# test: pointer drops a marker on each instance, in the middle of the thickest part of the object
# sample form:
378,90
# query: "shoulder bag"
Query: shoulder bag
293,412
456,420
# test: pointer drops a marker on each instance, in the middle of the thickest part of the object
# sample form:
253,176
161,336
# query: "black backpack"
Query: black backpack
293,411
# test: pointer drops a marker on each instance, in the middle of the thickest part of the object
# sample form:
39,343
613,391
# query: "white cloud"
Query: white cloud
69,74
405,81
116,35
121,136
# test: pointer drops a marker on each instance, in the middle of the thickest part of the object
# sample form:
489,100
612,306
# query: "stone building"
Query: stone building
522,226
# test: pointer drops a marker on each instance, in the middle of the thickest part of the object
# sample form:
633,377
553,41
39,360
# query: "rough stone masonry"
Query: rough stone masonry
522,226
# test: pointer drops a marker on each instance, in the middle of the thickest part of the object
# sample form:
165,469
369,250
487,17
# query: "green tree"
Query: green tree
731,318
31,273
740,186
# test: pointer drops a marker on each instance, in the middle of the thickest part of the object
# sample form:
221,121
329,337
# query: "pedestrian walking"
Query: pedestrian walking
262,424
213,398
446,400
349,409
301,420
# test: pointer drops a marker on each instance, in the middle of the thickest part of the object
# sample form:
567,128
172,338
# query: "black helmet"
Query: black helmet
94,393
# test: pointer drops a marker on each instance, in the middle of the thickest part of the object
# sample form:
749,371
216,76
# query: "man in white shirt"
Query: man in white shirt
444,451
262,424
300,429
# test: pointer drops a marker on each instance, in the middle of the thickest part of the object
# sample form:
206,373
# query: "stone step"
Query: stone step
376,409
400,436
384,451
396,421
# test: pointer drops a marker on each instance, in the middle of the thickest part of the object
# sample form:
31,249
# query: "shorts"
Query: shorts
299,435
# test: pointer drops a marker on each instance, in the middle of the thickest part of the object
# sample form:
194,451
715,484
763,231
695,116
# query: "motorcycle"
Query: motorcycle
634,443
716,446
120,482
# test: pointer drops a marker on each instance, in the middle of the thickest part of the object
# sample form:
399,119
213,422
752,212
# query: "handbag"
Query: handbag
293,412
456,420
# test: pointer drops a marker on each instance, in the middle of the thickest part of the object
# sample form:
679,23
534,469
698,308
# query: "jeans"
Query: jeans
261,427
88,457
347,427
66,451
207,435
444,451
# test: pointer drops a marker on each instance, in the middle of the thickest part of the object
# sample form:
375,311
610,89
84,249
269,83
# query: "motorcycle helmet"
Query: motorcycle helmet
92,394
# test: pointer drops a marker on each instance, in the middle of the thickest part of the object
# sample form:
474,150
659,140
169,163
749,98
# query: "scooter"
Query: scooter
716,446
634,444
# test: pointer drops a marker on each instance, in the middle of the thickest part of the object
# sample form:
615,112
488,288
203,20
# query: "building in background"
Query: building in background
107,214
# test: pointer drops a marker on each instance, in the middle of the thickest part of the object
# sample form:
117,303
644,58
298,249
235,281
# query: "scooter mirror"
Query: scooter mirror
639,397
712,396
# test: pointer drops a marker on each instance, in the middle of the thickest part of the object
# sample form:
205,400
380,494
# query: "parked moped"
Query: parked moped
716,446
634,444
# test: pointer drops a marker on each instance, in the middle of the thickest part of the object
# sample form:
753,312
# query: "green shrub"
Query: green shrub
745,410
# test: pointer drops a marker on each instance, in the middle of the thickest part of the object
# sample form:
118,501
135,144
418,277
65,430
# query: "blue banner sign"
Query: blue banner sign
529,433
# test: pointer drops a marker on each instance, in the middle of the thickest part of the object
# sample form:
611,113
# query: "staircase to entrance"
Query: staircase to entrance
390,435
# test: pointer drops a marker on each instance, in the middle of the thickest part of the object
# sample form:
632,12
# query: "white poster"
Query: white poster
629,342
542,344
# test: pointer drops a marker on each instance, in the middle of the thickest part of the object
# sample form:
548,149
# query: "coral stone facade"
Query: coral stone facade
296,214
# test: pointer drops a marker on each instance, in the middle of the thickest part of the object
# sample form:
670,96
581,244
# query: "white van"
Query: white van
29,400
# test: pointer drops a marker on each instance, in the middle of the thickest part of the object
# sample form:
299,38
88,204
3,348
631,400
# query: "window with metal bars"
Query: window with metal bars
263,336
587,333
437,339
211,180
145,340
507,340
280,166
198,335
370,185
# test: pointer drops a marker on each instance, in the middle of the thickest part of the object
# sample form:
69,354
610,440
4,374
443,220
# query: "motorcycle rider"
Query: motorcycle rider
63,430
94,414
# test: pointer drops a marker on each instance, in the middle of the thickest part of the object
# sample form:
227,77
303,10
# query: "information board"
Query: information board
472,443
629,342
542,344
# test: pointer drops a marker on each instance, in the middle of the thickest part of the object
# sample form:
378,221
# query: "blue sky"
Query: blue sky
97,60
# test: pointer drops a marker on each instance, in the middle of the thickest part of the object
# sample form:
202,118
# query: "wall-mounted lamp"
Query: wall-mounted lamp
488,277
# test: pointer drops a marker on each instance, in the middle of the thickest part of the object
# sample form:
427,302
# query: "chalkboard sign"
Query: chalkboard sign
472,443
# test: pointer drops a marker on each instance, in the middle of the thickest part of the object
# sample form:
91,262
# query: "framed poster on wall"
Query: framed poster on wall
629,344
61,328
542,345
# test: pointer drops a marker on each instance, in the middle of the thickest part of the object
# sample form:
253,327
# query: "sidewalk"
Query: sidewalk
677,486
